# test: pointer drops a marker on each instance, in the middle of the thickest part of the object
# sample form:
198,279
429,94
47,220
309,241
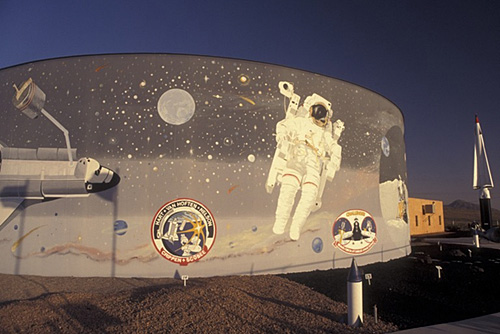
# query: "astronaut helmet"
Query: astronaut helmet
319,114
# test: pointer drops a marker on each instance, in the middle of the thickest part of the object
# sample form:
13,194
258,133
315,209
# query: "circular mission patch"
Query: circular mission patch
354,232
183,231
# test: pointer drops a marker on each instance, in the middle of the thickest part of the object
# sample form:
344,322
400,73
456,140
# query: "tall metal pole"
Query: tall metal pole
482,177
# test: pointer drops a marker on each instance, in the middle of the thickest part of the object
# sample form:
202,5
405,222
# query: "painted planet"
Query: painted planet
386,147
317,245
176,106
120,227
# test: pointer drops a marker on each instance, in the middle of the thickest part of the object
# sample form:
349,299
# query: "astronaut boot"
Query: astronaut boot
289,187
307,199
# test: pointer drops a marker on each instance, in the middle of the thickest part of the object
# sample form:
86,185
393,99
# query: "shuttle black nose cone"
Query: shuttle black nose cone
93,187
114,180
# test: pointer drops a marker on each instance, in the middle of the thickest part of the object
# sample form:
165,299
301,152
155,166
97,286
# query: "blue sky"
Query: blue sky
439,61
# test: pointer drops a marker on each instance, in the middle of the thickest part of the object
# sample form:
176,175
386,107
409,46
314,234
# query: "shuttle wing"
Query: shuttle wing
7,208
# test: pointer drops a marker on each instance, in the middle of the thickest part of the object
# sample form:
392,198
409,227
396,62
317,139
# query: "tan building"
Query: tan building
425,215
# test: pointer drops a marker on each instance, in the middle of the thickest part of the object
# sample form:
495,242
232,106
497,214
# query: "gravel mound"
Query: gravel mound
245,304
408,293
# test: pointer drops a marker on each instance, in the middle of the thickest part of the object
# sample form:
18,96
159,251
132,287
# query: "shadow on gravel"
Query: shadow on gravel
90,317
408,291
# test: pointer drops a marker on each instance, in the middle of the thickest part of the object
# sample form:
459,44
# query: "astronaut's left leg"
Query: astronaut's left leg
307,200
289,186
309,192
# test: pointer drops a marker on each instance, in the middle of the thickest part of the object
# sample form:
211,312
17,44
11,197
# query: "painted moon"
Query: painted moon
176,106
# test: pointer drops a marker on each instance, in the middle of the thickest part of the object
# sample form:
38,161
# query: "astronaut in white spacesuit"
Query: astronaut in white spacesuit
311,146
403,198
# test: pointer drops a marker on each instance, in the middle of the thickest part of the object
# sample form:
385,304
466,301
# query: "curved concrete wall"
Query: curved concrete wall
209,153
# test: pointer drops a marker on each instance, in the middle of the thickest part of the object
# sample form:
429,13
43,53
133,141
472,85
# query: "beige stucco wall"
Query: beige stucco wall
425,223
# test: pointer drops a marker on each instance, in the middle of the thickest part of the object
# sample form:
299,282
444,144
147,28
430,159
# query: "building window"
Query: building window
416,220
429,218
439,220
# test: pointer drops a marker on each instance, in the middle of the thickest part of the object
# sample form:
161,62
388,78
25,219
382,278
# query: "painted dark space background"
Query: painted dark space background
220,156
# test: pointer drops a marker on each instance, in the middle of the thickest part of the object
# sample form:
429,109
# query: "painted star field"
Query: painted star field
219,155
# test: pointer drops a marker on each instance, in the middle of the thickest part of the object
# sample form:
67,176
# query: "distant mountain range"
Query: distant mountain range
460,204
462,211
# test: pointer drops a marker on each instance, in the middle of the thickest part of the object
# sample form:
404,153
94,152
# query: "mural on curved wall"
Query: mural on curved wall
167,165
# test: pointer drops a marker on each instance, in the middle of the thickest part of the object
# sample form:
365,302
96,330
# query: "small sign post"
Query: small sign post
439,271
369,277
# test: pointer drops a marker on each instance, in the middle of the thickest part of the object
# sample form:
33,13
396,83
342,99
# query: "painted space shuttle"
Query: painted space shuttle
42,174
483,181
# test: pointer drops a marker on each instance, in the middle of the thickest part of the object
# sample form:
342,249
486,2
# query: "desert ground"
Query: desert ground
407,293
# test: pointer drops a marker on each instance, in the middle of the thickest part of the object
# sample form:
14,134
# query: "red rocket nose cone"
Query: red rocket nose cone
477,119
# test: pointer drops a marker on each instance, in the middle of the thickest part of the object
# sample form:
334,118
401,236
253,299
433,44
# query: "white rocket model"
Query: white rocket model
482,177
354,296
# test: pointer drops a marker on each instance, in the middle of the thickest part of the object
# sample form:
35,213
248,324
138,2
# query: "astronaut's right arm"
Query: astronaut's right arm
286,129
281,131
